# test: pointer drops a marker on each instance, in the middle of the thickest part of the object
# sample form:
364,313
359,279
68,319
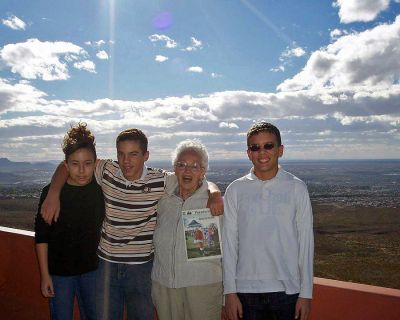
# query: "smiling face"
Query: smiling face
189,176
131,159
265,162
80,166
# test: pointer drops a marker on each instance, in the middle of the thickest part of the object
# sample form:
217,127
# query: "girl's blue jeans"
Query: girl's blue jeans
82,286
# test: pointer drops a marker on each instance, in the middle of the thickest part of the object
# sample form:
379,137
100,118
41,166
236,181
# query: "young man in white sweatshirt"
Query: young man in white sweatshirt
268,237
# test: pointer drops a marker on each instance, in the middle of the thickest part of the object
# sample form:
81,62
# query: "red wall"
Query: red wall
20,296
338,300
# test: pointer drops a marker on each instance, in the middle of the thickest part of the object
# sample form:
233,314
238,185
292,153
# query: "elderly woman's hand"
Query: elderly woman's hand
215,201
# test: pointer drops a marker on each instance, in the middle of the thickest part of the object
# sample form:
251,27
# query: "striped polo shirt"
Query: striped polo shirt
131,212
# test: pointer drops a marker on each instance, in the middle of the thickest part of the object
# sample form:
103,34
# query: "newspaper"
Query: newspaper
202,234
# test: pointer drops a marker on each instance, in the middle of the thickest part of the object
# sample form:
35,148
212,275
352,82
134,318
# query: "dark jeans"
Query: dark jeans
122,284
82,286
268,306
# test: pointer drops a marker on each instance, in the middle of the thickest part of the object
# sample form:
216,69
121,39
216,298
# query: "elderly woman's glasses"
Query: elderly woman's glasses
182,166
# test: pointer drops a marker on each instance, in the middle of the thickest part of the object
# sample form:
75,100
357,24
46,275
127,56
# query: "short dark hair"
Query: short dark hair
78,137
134,134
263,126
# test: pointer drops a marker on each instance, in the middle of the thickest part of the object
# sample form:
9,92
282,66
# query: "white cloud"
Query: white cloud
321,118
86,65
14,23
229,107
336,33
169,43
195,44
325,133
215,75
293,52
348,93
195,69
360,10
349,120
368,59
160,58
35,59
98,43
229,125
280,68
286,56
102,55
19,96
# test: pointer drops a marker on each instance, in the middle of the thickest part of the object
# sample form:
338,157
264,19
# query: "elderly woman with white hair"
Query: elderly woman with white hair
182,289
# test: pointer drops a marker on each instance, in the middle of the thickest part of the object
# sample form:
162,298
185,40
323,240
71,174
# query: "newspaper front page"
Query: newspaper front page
202,234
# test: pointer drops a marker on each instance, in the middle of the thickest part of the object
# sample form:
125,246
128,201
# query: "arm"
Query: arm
215,201
230,246
42,230
51,205
304,220
224,316
233,307
46,284
303,308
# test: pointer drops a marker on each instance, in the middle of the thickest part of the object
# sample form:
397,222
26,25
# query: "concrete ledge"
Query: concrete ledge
357,287
20,296
17,231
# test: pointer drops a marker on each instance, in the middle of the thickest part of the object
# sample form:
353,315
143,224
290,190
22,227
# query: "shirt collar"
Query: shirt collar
120,175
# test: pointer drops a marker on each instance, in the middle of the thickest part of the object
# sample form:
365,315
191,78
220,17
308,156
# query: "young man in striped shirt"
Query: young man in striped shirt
131,191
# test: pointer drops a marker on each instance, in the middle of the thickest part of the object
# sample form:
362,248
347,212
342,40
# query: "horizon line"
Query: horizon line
230,160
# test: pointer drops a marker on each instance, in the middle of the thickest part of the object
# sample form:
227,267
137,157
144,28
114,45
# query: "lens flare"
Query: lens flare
162,21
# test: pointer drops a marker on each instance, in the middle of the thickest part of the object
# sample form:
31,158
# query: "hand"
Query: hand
303,308
233,307
224,316
50,209
215,203
46,286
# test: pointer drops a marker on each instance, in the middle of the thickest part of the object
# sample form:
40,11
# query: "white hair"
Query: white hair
191,145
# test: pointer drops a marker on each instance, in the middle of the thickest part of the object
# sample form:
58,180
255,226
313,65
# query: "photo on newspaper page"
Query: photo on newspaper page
202,234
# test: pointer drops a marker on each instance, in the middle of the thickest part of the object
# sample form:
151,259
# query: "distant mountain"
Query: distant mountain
13,173
6,165
8,178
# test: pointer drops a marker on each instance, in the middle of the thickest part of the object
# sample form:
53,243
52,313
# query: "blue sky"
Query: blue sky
325,72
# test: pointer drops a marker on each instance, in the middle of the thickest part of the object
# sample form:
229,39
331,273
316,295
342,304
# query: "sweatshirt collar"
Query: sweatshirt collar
251,175
203,186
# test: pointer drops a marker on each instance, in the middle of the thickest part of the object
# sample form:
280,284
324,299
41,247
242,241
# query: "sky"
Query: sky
326,73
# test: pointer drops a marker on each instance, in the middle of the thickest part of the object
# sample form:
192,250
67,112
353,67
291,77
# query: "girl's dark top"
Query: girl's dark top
73,239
